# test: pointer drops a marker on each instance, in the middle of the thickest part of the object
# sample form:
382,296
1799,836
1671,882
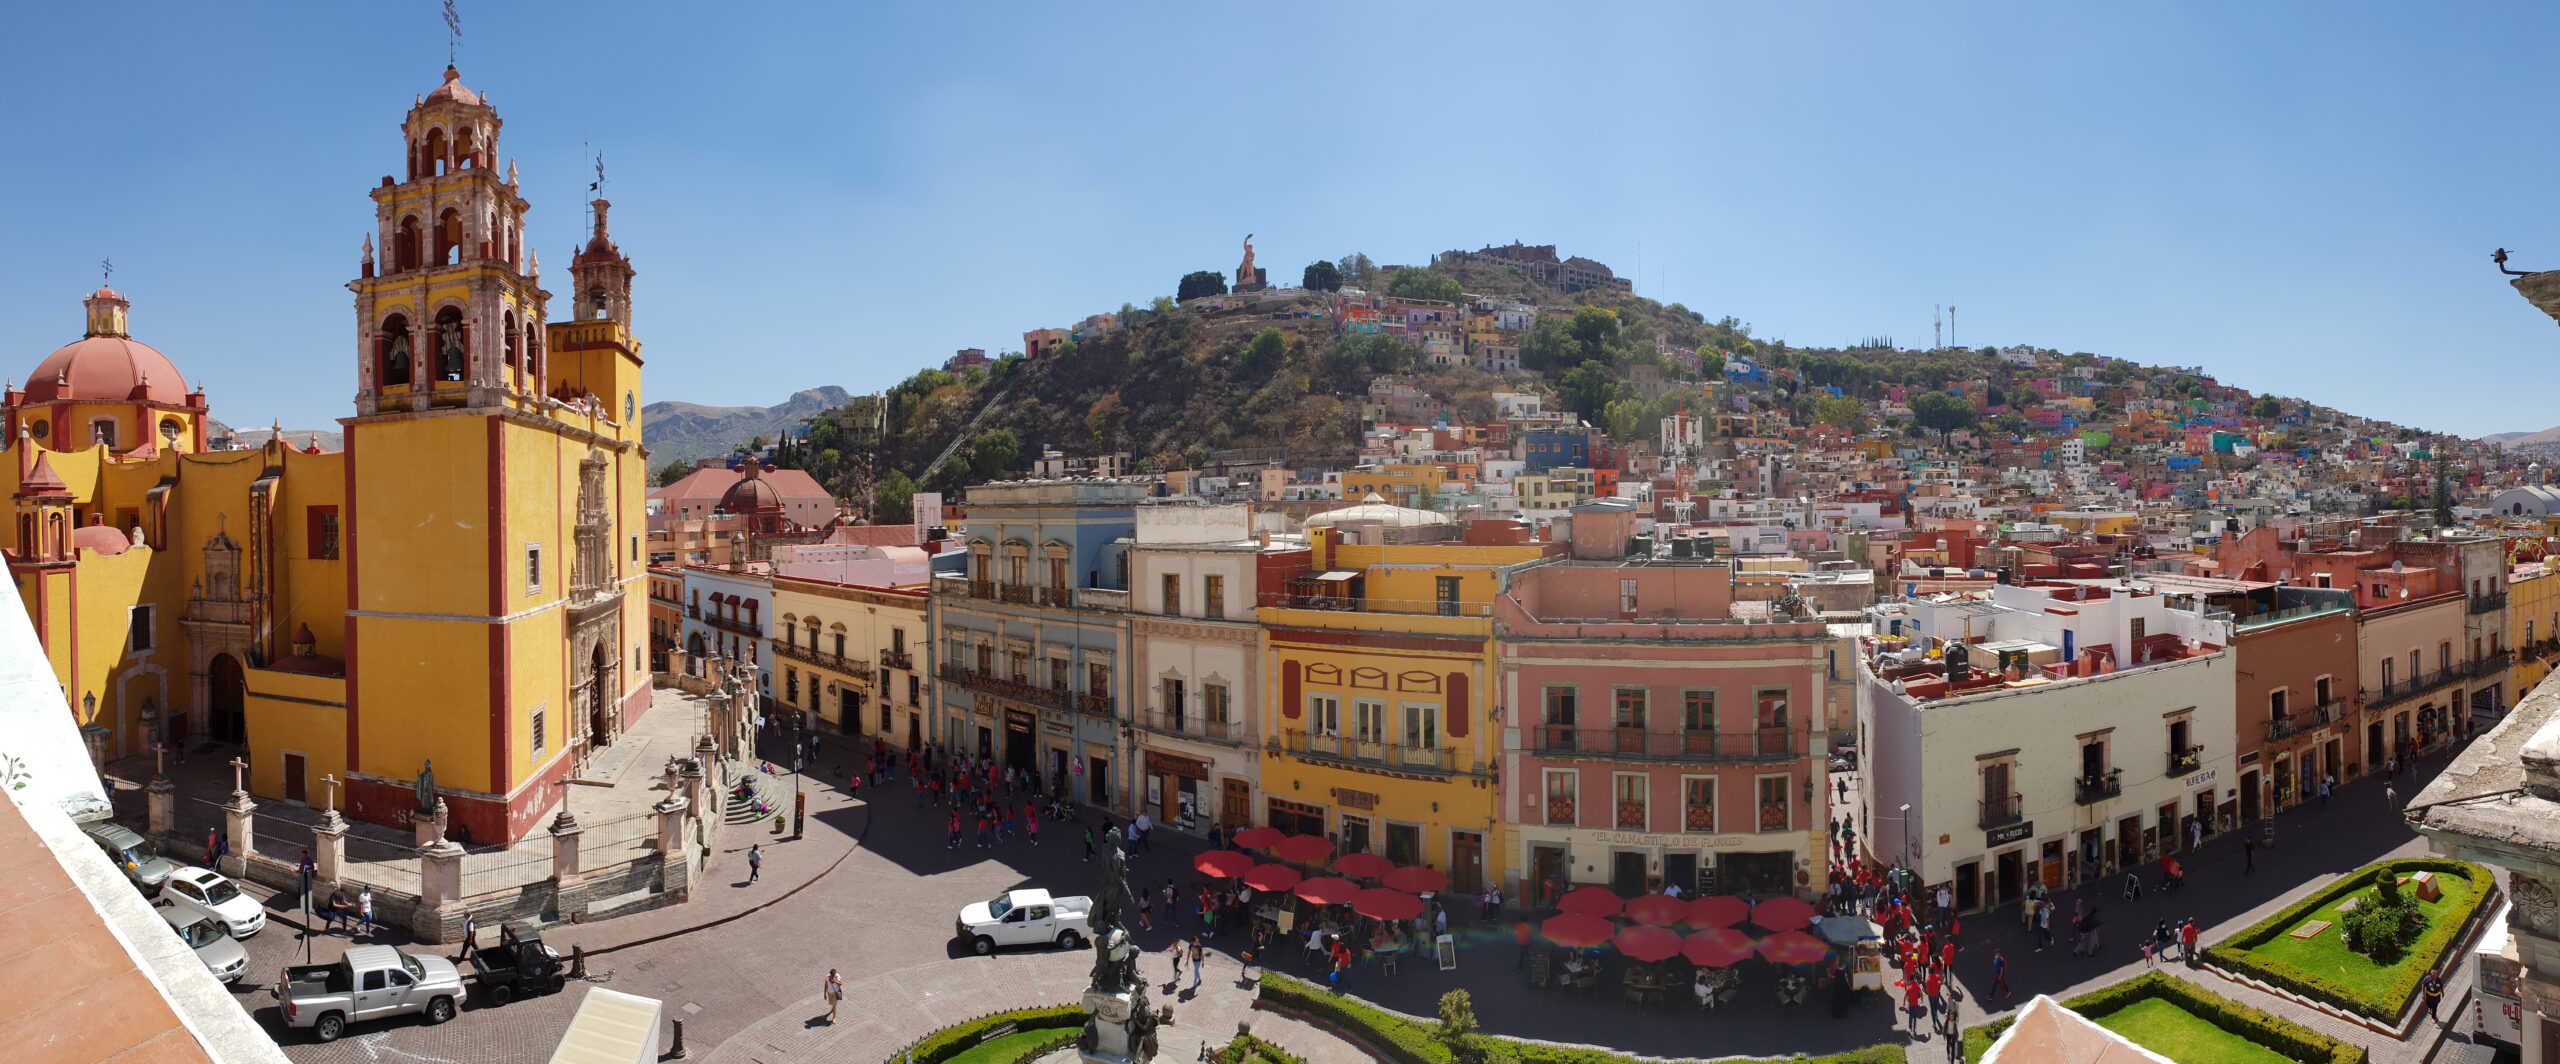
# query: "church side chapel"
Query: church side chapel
457,583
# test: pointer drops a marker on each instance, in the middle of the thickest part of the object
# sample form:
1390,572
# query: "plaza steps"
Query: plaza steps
742,810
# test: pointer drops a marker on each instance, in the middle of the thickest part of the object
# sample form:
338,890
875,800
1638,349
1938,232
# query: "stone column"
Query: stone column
430,829
162,797
329,852
239,822
671,818
564,847
439,892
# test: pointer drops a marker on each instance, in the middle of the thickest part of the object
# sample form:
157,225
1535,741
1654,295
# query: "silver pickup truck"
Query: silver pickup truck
369,983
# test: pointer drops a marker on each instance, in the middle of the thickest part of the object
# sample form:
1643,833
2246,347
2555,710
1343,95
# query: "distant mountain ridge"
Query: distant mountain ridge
676,431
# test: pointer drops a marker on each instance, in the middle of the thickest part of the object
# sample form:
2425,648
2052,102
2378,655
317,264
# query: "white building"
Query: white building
2087,725
1193,634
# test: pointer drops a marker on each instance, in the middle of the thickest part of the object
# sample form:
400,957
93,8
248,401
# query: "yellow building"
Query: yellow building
845,655
1384,663
459,584
2533,623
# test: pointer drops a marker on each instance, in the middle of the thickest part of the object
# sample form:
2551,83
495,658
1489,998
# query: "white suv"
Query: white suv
204,892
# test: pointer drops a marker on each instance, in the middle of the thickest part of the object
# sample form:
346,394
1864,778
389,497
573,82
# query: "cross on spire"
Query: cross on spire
106,271
452,32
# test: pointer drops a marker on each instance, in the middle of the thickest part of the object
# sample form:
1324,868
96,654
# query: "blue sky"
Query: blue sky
2301,198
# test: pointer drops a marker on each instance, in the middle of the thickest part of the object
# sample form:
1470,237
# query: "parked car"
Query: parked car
208,893
518,966
213,945
1023,917
369,983
135,855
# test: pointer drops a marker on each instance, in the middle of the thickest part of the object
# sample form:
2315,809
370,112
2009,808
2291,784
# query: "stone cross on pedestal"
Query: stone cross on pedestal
330,799
161,796
239,779
564,783
159,760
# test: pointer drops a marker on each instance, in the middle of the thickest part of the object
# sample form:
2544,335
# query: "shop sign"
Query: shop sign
2006,835
1351,799
1675,841
2200,779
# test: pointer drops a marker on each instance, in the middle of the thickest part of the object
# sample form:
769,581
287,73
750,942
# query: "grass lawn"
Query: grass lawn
1003,1050
2162,1027
2326,954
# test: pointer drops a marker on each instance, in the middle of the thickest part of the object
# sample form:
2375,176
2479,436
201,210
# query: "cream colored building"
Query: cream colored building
848,657
1194,646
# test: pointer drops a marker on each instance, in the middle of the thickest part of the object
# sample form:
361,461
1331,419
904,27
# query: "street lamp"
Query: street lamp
1910,841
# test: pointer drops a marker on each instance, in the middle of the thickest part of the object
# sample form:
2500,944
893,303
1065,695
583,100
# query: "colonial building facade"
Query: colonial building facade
459,584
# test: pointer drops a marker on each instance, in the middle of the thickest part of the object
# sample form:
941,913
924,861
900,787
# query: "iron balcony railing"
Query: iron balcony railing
2489,603
1391,757
897,659
1195,726
2403,690
1098,705
1033,694
823,659
733,624
1017,594
2091,790
2004,810
2185,762
2492,664
1639,744
982,589
2291,724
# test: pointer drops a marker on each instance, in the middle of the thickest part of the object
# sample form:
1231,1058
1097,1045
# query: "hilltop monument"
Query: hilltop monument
1249,277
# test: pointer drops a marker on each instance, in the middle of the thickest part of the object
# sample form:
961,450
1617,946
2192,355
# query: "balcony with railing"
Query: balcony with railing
2492,665
1560,812
2186,761
2399,691
2091,790
2489,603
1639,744
990,683
2008,809
1195,726
1014,594
2288,725
1097,705
1382,756
1631,816
1058,598
733,624
897,659
823,659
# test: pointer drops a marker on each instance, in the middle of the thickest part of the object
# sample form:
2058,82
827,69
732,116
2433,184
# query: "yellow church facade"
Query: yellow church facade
459,585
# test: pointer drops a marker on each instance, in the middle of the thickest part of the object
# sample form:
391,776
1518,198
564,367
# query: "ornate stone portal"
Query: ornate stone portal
1120,1027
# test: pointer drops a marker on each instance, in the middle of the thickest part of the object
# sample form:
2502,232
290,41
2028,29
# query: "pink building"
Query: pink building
1654,740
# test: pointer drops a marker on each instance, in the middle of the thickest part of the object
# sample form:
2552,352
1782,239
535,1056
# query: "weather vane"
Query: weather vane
452,31
106,271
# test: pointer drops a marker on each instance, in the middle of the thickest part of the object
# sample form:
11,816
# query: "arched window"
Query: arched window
405,244
450,344
393,352
40,429
435,162
508,334
461,148
103,430
448,237
595,302
169,430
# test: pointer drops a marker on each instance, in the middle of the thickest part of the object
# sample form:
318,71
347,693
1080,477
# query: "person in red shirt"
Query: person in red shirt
1910,1003
1936,1002
1520,934
1947,955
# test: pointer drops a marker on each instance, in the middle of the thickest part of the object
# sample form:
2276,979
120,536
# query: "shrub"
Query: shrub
951,1041
2384,924
2276,1033
1410,1041
2233,954
1457,1028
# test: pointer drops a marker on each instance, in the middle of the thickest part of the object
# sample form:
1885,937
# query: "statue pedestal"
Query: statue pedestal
239,822
1113,1033
162,797
329,850
430,824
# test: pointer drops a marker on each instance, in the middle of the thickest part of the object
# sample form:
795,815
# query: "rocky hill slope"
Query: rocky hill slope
681,432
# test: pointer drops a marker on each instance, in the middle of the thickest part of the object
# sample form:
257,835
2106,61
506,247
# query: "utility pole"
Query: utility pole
1937,327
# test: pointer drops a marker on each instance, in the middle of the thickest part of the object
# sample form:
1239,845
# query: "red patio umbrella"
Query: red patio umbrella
1222,864
1269,878
1722,947
1575,930
1363,865
1257,838
1330,890
1648,944
1781,914
1302,849
1718,910
1379,903
1794,947
1416,879
1590,901
1657,910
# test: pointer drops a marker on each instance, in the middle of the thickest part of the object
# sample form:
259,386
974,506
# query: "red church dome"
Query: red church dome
752,494
453,90
106,365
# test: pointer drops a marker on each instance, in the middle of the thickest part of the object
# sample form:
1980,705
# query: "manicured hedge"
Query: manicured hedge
1246,1049
951,1041
2274,1032
1409,1041
2235,954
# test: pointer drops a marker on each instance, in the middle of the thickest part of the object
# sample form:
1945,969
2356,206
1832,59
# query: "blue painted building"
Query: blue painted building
1032,641
1549,448
728,613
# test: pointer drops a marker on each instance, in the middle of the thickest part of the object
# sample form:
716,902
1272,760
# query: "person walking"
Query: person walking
2195,833
1088,837
470,933
833,991
2390,797
1139,829
2187,942
2325,782
1197,964
2433,988
755,861
1520,935
1180,947
1999,977
364,907
1147,912
2248,854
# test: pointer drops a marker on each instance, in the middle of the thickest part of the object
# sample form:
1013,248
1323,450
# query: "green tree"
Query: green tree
1942,413
1422,282
1842,412
1589,387
673,471
993,453
1457,1027
1263,353
1595,328
950,478
893,499
1199,283
1550,347
1321,276
1102,419
1357,269
1195,456
1161,305
2267,408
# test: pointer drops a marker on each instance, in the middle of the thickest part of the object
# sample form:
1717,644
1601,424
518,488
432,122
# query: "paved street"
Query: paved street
881,911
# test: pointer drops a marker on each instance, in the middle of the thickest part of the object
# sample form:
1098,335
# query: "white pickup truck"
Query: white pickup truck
1022,917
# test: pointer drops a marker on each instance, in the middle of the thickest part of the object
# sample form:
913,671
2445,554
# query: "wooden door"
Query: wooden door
1235,808
1466,862
294,784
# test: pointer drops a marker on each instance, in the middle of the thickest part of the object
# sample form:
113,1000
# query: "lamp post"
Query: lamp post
1910,840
